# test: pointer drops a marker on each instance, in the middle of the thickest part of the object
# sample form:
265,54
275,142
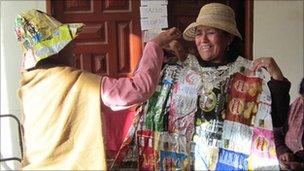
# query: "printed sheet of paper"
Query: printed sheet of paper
153,23
153,14
153,11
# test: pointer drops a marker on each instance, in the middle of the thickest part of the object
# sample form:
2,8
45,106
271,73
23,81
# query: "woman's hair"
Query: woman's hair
234,49
301,90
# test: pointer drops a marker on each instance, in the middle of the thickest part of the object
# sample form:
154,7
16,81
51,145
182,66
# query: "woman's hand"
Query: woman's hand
167,36
286,157
292,165
175,50
270,65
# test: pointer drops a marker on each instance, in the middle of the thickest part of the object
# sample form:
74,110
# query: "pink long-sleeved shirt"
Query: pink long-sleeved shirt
127,91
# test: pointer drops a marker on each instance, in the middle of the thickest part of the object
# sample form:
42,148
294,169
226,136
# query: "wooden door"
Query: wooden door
183,12
110,43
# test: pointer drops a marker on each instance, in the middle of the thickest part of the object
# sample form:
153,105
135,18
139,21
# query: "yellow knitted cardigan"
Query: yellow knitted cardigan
62,120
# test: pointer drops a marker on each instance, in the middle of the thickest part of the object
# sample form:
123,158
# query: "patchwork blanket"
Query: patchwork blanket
204,119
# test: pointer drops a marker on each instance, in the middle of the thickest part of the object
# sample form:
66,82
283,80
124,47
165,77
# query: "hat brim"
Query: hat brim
75,28
189,32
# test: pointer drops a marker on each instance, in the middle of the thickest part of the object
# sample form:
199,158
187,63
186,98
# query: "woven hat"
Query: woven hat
215,15
41,36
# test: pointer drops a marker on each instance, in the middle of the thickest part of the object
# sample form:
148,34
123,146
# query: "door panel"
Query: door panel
106,45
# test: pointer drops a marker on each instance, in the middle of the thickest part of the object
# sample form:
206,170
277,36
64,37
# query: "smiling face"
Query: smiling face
211,43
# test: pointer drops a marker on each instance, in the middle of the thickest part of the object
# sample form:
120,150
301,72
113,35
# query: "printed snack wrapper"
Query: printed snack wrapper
230,160
174,151
173,161
148,156
243,95
158,105
183,103
205,157
263,153
236,137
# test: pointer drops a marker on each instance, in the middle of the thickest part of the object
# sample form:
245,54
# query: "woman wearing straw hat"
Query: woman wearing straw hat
218,42
213,111
61,105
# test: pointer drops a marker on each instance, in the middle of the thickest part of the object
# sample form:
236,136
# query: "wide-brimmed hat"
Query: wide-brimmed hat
42,36
215,15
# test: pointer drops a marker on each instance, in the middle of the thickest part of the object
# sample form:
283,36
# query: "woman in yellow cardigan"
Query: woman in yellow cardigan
62,117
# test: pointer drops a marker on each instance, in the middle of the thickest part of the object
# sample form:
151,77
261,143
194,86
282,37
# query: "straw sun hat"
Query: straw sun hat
215,15
41,36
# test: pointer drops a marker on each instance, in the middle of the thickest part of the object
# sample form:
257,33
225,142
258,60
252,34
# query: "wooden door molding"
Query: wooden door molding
48,7
248,40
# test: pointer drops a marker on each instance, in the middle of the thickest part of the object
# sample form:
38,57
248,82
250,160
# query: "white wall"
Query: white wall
10,62
278,32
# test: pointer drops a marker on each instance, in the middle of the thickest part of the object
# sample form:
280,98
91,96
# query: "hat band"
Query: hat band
216,18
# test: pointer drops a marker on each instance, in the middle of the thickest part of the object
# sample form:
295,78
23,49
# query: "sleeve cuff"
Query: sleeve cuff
156,46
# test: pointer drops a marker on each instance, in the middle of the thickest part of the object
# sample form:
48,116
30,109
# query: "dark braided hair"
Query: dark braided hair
301,90
235,48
